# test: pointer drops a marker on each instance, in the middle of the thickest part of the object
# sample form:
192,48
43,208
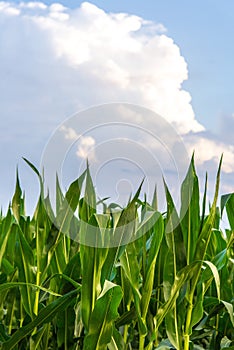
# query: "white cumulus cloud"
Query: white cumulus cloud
96,57
210,149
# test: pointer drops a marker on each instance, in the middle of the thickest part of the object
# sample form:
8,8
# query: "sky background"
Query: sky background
173,57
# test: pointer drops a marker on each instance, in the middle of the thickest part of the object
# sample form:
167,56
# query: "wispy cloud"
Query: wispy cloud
69,133
86,148
85,144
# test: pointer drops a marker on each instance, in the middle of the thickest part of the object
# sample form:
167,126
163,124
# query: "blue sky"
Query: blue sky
47,74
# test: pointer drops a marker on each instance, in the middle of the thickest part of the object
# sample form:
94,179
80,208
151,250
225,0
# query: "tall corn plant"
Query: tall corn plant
34,259
99,300
193,259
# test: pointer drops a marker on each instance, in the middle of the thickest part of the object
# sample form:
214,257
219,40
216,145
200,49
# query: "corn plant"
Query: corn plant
126,278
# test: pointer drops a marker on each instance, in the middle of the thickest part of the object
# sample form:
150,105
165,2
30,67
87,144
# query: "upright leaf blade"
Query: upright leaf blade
102,318
155,243
25,264
227,201
190,211
207,229
18,200
92,260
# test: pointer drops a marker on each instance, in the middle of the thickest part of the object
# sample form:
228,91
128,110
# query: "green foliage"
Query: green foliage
133,278
105,312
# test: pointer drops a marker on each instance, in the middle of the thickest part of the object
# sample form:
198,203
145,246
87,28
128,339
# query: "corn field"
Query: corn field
167,283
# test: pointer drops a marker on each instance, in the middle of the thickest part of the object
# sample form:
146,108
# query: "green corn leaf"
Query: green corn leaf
176,260
13,303
103,223
46,315
147,223
48,207
65,327
165,345
7,267
37,173
220,260
207,229
32,167
5,229
59,195
183,276
130,265
229,308
114,251
173,326
25,264
168,273
117,342
190,211
42,225
122,231
174,236
227,201
87,207
116,244
125,228
155,243
3,334
17,200
3,243
198,309
109,264
218,306
105,312
159,284
72,272
67,206
203,211
72,195
215,274
37,339
155,200
92,260
10,285
126,317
